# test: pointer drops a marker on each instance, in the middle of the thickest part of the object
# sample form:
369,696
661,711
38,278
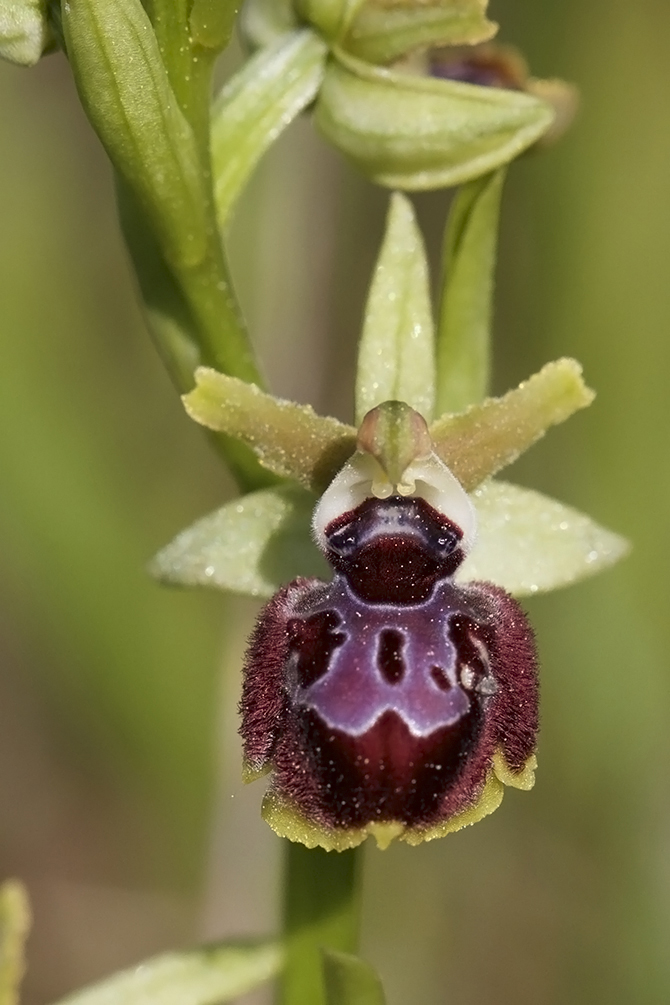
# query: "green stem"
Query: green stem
321,909
177,329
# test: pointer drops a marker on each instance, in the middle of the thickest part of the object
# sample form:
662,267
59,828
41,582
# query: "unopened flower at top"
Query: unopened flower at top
376,95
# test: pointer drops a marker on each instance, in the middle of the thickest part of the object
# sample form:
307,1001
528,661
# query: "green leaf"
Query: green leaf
382,31
416,132
290,440
528,543
252,545
206,976
24,31
14,928
125,91
396,357
487,437
350,980
257,104
464,336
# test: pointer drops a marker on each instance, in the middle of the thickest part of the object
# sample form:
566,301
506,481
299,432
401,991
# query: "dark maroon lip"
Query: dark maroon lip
384,694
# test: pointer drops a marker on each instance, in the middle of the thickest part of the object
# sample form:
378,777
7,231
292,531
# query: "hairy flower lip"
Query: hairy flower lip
382,696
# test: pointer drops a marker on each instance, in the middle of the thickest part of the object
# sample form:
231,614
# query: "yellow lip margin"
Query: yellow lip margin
288,822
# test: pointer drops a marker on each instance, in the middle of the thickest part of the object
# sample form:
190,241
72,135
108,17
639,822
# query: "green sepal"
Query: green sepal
349,980
252,545
381,31
528,543
477,443
257,104
469,256
396,356
125,90
415,132
14,928
209,975
24,31
290,440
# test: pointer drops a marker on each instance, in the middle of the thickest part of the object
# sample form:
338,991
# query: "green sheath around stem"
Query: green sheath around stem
321,910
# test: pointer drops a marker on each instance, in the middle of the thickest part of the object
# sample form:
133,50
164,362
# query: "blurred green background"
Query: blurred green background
120,802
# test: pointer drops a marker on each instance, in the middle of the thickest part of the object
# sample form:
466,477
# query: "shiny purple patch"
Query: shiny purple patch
384,694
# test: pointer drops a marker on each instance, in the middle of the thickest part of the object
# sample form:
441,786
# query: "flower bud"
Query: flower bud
124,87
413,131
390,701
24,31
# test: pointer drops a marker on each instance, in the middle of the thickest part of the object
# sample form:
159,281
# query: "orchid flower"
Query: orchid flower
391,682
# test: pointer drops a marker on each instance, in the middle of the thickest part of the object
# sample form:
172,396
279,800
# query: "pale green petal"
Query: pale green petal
206,976
251,545
14,927
290,440
396,357
487,437
469,258
255,107
528,543
350,980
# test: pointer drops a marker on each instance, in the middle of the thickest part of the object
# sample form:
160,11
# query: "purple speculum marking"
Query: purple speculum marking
355,690
383,694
